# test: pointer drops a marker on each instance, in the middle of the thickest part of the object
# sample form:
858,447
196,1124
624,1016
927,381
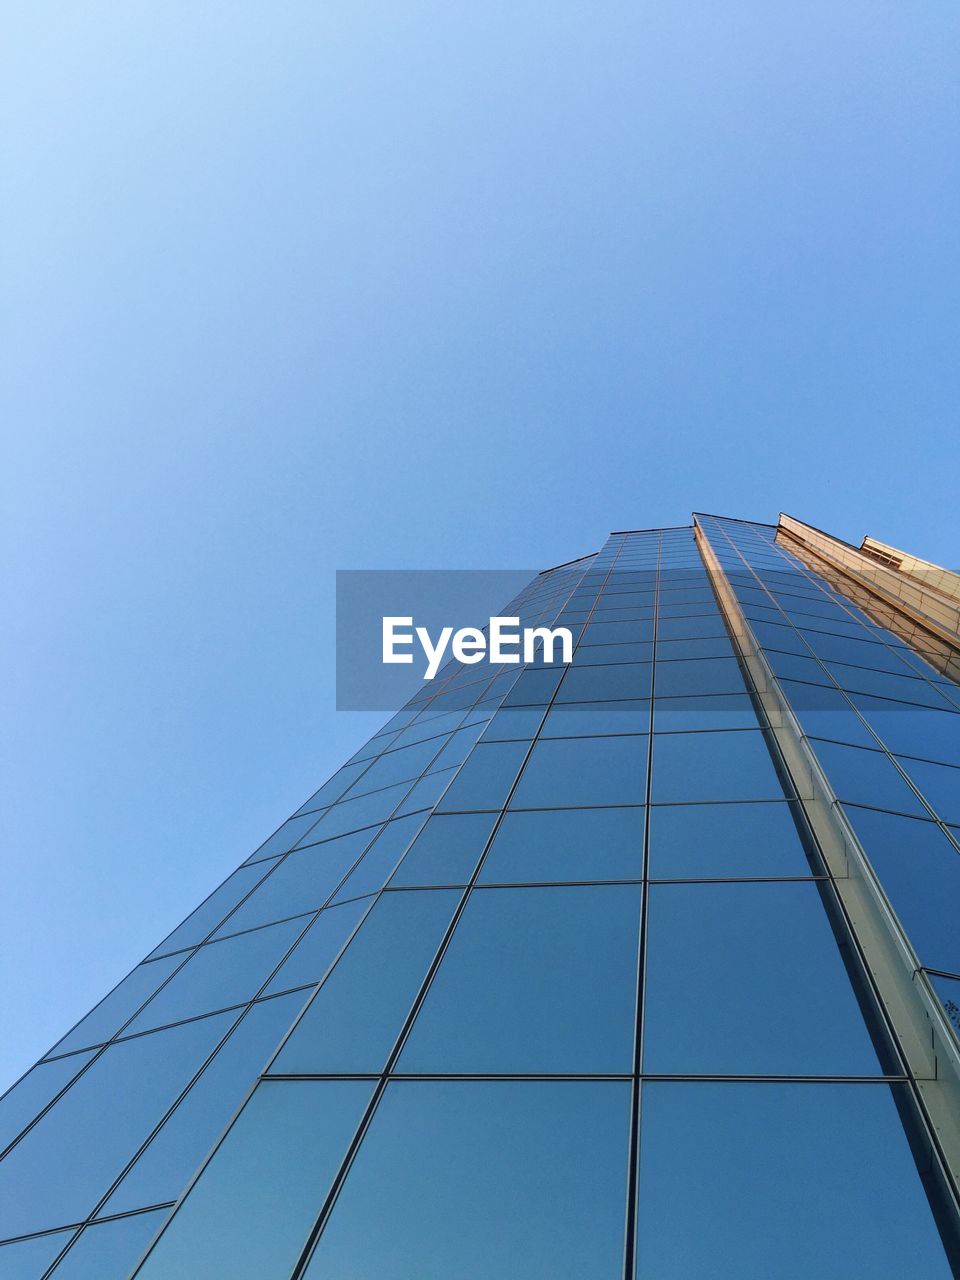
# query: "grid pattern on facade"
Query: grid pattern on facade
549,981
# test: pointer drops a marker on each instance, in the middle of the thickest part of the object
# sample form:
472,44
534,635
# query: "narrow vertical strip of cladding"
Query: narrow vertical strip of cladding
922,1035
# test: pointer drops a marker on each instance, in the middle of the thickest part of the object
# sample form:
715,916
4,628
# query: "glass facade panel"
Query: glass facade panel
219,975
446,851
359,1011
29,1259
250,1212
486,778
763,991
318,948
574,772
802,1180
541,1192
571,844
713,766
110,1250
534,980
164,1169
692,841
30,1095
58,1171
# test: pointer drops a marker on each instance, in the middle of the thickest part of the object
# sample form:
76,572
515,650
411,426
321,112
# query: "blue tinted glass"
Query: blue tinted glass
457,749
919,870
597,684
166,1166
446,851
763,991
698,676
713,766
219,974
709,647
480,1179
940,785
110,1250
514,723
425,793
38,1087
866,777
318,948
381,858
64,1164
29,1259
285,837
579,719
534,687
209,914
906,687
825,713
395,766
352,815
567,844
913,731
110,1014
534,980
801,1181
341,780
694,840
486,778
250,1212
577,772
592,655
357,1014
713,711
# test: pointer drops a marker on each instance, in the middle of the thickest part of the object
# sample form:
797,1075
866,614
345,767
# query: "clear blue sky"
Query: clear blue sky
297,287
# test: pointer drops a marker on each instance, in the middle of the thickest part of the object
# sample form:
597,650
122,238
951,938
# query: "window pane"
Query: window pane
713,711
866,777
114,1010
166,1166
762,992
446,851
110,1250
301,882
578,772
486,778
28,1259
482,1179
579,719
802,1180
713,766
209,914
219,974
251,1210
695,840
356,1016
514,723
534,980
568,844
69,1158
31,1094
919,870
699,676
317,949
381,858
595,684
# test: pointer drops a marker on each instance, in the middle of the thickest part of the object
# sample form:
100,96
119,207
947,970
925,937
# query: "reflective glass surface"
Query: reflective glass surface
762,992
109,1250
357,1014
788,1180
708,766
37,1088
541,1192
318,948
218,975
534,980
568,844
446,851
251,1210
57,1172
164,1169
573,772
691,841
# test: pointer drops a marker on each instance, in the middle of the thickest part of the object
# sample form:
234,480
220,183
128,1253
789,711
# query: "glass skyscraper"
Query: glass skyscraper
644,968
